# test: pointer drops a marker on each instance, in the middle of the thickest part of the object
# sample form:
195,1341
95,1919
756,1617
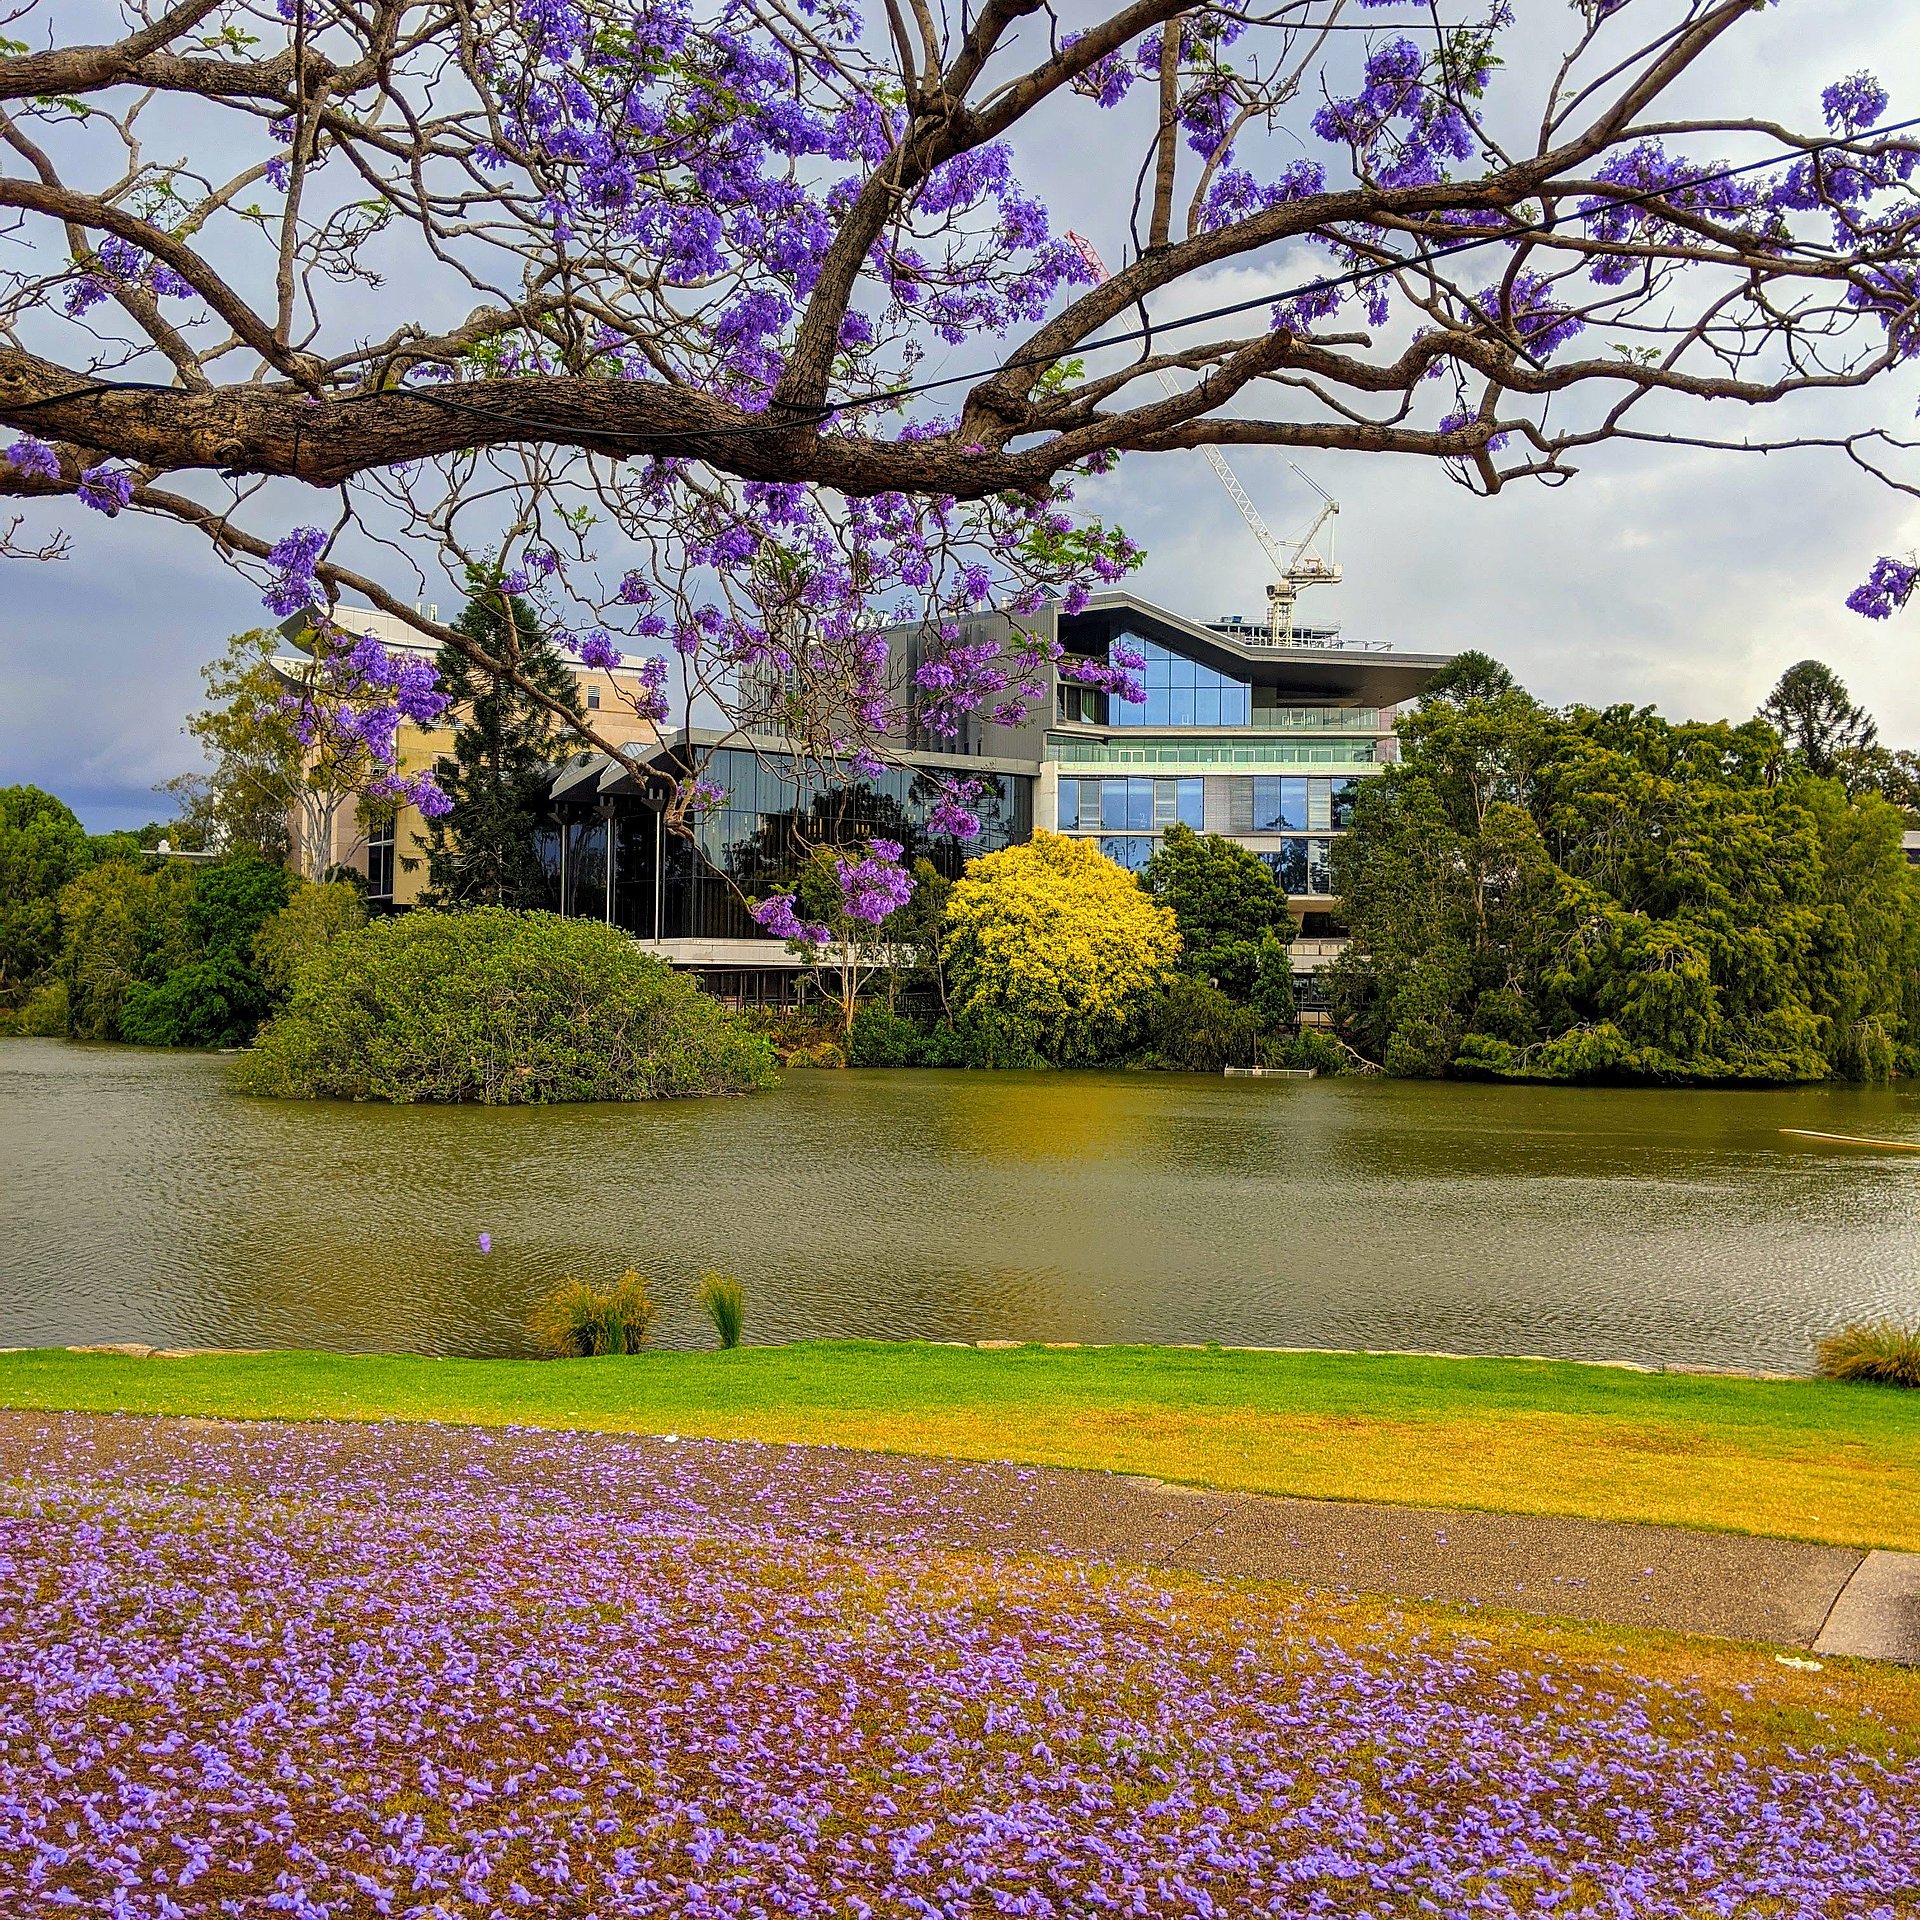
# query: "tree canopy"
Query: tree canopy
641,296
1059,943
483,850
42,847
1606,894
1225,902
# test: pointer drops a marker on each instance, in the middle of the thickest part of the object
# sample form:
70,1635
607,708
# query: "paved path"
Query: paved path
1831,1600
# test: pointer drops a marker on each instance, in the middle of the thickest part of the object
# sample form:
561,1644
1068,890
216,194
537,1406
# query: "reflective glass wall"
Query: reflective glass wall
663,887
1183,693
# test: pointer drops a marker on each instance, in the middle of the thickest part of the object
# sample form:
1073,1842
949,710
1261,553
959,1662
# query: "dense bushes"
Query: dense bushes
43,847
502,1008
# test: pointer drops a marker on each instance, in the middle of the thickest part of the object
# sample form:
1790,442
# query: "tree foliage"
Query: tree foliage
42,847
1226,903
1818,723
1060,944
162,954
280,782
502,1008
1604,894
484,851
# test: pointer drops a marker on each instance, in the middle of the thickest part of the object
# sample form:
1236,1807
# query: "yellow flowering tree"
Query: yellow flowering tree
1053,940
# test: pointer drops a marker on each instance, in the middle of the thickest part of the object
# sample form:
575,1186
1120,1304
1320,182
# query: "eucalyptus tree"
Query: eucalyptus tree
732,325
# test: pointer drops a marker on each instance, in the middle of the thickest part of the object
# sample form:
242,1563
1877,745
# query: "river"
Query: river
141,1199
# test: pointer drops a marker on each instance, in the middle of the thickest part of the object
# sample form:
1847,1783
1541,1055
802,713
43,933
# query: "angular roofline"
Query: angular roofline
1350,675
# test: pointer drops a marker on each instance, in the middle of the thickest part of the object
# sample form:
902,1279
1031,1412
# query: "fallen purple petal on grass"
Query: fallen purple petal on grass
340,1672
486,1243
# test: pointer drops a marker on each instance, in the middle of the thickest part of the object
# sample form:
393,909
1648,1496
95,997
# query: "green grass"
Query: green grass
1802,1459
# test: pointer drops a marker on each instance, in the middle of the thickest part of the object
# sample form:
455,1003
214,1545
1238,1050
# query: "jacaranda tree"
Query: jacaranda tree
638,299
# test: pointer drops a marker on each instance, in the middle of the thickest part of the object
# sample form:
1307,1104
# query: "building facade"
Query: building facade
390,848
1265,745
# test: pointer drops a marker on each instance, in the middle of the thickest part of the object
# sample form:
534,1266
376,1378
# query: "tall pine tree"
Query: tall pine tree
484,851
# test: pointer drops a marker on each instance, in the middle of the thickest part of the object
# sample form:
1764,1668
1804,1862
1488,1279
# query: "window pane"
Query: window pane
1069,805
1165,802
1293,802
1190,804
1268,816
1319,805
1113,803
1319,866
1140,804
1290,866
1131,850
1343,797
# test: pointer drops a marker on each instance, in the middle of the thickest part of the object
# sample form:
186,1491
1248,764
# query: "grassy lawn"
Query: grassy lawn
1794,1458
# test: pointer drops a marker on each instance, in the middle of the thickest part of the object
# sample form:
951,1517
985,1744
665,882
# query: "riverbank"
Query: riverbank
1799,1459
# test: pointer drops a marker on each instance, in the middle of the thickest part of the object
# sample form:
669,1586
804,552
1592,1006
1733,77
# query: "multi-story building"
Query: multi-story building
390,850
1261,743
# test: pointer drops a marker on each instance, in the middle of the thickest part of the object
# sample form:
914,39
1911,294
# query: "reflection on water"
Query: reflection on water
141,1200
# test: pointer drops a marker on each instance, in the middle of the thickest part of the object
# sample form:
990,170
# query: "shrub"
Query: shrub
981,1037
1313,1047
821,1053
578,1321
312,917
1059,944
503,1008
1195,1028
882,1038
724,1300
44,1017
124,927
1878,1352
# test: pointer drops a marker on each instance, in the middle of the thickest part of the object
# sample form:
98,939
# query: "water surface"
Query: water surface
141,1199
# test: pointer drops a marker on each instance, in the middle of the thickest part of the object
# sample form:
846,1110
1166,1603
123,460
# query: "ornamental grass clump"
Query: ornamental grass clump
725,1303
1876,1352
577,1321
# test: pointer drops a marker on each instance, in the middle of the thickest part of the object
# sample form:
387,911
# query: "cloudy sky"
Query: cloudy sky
1685,579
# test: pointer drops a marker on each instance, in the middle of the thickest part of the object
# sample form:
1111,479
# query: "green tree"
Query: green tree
312,917
42,847
1226,903
271,792
162,955
1603,894
124,927
1058,947
485,851
1816,719
1274,1003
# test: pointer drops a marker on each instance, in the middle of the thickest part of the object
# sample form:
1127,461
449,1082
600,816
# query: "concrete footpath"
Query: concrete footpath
1825,1600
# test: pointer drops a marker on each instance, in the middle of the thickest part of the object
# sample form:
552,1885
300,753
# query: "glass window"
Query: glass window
1279,803
1190,803
380,860
1289,865
1319,866
1319,805
593,699
1113,803
1069,809
1344,794
1183,693
1140,804
1130,850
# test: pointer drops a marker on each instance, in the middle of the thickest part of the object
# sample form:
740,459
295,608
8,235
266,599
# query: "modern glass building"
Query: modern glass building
1264,744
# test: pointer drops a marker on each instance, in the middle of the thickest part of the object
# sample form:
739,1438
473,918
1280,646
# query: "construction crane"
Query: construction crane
1298,565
